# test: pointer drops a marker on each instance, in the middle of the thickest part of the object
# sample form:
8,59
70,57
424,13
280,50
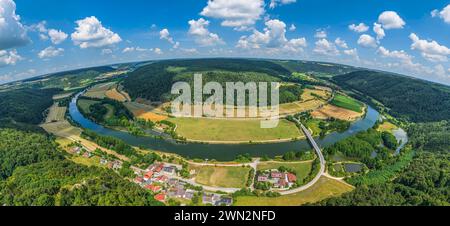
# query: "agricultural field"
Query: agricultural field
99,91
115,95
56,114
227,177
331,111
62,96
387,127
221,130
143,111
62,129
302,169
84,104
311,100
323,189
347,103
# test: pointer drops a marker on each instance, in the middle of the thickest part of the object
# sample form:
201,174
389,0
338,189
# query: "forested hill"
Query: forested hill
408,98
33,172
24,107
154,81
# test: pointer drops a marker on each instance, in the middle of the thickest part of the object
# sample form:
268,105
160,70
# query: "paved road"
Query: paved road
321,158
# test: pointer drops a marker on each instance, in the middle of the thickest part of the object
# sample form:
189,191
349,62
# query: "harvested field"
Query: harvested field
99,91
115,95
330,111
56,114
310,101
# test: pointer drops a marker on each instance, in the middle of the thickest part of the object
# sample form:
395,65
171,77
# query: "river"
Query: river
222,152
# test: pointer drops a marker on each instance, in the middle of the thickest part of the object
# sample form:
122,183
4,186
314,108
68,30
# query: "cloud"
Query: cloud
9,57
399,55
164,34
430,50
199,29
158,51
275,3
341,43
378,29
273,38
443,14
15,76
360,28
367,41
137,49
56,36
292,27
91,33
235,13
321,34
12,32
324,47
50,52
391,20
352,52
107,51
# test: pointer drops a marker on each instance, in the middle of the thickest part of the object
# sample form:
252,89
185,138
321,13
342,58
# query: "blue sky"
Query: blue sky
405,36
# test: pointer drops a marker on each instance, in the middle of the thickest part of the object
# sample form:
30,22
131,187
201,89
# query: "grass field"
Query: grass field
233,130
387,127
84,104
309,102
347,103
323,189
227,177
302,169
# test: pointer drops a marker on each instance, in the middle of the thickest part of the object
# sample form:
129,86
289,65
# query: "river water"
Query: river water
221,152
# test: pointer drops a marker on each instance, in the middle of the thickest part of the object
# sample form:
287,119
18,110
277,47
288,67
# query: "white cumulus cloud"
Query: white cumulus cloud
57,37
50,52
391,20
367,41
341,43
275,3
360,28
430,50
91,33
324,47
378,29
12,32
273,38
9,57
235,13
443,14
199,29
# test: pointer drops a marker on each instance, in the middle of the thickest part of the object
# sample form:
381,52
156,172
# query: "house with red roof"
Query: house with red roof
153,188
276,175
138,180
160,197
148,175
291,178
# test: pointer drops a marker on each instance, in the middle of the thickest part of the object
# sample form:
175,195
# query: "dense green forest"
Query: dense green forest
423,180
24,108
154,81
320,69
35,173
406,98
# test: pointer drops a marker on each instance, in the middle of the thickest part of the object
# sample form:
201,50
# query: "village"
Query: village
275,179
162,180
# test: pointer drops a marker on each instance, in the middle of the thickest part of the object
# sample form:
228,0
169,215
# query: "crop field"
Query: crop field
323,189
302,169
227,177
221,130
387,127
115,95
62,129
347,103
310,101
330,111
143,111
99,91
56,114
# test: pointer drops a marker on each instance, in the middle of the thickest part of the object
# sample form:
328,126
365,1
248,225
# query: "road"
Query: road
321,158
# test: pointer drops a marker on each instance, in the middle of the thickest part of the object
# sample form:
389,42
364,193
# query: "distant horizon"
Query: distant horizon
243,58
403,37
